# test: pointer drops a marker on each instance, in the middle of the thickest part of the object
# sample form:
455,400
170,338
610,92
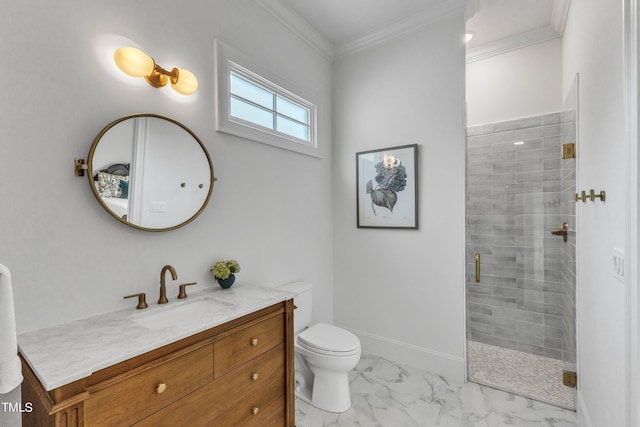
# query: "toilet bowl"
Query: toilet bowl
324,356
330,353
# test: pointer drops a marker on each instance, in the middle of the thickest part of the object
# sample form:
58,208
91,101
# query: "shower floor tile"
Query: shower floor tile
386,394
528,375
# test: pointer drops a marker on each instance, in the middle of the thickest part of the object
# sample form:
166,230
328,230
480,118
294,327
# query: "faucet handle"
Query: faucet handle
183,293
142,303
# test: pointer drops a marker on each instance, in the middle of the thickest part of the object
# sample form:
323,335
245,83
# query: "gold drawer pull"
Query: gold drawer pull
254,376
255,410
160,388
254,341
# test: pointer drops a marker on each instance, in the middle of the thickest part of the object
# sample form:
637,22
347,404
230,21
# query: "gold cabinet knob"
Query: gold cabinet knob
255,410
160,388
254,341
254,376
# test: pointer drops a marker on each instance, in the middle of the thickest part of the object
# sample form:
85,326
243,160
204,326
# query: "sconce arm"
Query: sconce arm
160,76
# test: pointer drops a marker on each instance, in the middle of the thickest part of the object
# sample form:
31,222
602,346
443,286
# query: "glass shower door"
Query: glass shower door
519,274
569,249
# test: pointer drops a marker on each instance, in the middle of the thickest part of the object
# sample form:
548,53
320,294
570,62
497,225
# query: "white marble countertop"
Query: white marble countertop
70,351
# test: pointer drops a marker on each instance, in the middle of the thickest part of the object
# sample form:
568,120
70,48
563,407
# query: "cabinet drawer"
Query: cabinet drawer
239,347
254,410
278,415
139,393
211,401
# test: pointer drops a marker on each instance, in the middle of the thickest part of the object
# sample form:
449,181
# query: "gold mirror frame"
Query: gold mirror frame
90,171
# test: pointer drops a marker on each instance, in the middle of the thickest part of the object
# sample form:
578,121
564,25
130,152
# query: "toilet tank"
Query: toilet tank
303,302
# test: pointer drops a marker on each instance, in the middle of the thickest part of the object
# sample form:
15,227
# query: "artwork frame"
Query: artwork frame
387,188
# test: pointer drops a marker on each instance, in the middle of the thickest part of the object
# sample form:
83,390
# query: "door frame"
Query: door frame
630,47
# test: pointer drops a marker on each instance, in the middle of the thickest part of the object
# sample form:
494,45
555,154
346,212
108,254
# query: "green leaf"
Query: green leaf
384,198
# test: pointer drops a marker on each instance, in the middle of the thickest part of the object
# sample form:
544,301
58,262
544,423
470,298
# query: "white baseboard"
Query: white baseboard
448,366
581,409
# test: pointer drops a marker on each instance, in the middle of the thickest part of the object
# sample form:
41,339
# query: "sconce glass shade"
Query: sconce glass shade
133,61
186,83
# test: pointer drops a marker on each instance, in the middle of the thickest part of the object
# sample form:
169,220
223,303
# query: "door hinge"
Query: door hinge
569,151
570,379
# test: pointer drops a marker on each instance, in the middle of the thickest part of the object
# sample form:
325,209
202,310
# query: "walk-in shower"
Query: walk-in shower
520,275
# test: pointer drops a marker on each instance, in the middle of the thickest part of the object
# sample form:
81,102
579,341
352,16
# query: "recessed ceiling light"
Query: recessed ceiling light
468,37
518,143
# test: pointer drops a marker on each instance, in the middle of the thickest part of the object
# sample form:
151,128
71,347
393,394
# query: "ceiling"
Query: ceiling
338,27
498,19
343,21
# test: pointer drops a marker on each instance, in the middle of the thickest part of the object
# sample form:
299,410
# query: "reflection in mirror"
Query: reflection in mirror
150,172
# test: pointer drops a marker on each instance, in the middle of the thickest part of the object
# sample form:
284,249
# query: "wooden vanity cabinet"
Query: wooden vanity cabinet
237,374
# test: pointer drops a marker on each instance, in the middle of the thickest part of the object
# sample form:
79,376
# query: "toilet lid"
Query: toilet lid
328,338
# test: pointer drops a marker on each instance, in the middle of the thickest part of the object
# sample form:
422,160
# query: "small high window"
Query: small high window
261,108
264,105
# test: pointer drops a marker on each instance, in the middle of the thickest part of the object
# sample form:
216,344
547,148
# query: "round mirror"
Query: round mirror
150,172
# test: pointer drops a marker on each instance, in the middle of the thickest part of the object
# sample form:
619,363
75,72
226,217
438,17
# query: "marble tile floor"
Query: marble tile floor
529,375
386,394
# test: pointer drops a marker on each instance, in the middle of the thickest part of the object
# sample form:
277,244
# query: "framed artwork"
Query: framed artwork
387,187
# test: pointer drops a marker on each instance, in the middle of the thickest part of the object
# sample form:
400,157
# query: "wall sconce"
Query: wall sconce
135,63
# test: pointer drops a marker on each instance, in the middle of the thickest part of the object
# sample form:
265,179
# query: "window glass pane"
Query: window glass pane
292,128
251,92
279,113
251,113
292,110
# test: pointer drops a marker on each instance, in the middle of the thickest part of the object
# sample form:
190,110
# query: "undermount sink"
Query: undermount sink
187,313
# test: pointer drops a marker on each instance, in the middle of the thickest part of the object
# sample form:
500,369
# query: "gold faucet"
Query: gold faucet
163,288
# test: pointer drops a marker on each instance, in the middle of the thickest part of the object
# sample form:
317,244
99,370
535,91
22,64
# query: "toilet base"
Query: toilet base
303,379
323,388
331,392
338,401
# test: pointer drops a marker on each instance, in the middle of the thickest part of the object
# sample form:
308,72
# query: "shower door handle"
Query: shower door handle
561,231
477,268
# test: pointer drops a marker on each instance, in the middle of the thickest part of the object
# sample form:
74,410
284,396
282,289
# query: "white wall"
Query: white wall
593,48
270,208
402,291
521,83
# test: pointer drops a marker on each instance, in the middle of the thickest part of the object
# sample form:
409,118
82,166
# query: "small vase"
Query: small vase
226,283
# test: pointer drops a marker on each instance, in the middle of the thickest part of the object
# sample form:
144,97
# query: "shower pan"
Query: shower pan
521,254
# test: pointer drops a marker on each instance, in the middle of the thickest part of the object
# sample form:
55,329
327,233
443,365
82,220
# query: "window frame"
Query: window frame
230,61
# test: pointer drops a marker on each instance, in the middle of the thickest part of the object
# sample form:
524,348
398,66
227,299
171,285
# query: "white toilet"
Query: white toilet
324,356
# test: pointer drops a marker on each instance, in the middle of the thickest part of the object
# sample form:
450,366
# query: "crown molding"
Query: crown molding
559,15
299,26
402,27
509,44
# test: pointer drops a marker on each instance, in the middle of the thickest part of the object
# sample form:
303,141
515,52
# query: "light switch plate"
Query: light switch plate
619,264
158,206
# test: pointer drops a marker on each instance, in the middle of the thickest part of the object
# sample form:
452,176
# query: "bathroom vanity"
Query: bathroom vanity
218,358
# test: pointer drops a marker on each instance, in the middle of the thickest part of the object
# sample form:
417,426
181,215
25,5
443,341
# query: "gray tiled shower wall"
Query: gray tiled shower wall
513,200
